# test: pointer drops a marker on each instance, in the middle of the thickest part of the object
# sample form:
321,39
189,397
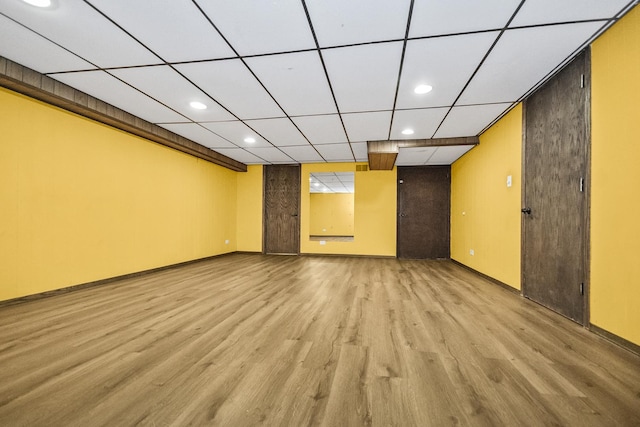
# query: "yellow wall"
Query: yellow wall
249,212
331,214
81,201
485,213
374,213
615,227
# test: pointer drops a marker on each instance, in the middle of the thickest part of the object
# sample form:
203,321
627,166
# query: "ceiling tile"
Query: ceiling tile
364,78
535,12
367,126
112,91
339,22
303,154
469,120
297,81
271,154
240,155
101,42
199,134
445,63
232,85
522,58
31,50
177,31
325,129
423,122
236,132
360,151
335,152
414,156
255,27
448,155
175,91
458,16
280,132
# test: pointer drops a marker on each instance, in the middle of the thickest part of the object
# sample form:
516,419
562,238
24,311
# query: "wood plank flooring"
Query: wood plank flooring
245,340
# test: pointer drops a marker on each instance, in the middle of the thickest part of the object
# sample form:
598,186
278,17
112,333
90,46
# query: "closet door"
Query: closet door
281,207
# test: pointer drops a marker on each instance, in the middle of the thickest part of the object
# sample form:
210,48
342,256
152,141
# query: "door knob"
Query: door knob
526,211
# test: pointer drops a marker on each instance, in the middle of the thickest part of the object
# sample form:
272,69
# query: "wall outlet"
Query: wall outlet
472,252
508,180
226,242
323,242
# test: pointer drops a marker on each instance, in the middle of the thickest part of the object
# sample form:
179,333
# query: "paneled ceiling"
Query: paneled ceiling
288,81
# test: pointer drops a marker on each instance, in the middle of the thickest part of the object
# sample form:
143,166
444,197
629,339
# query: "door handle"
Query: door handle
294,214
526,211
403,215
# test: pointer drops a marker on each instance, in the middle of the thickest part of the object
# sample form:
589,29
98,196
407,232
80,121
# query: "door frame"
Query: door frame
586,256
264,205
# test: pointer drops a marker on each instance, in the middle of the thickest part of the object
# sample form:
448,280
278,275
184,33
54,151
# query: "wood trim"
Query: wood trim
105,281
489,278
627,345
433,142
28,82
587,188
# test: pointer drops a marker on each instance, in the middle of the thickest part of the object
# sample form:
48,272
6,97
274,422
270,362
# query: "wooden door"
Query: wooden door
281,208
424,194
555,197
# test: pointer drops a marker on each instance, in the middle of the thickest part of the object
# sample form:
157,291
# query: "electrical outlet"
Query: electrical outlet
226,242
508,180
323,242
472,252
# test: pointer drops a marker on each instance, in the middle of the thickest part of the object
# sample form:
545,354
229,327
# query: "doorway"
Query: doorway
281,208
555,217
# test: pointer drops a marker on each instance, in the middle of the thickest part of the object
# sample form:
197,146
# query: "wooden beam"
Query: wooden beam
382,154
43,88
433,142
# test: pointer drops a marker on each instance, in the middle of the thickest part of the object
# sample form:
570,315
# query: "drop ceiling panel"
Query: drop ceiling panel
78,27
469,120
367,126
360,151
29,49
424,122
303,154
457,16
232,85
189,38
522,58
364,78
321,129
280,132
297,81
445,63
448,155
240,155
255,27
336,152
111,90
271,155
535,12
199,134
175,91
236,132
414,156
339,22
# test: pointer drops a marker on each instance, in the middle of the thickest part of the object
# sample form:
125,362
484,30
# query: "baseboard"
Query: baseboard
348,255
100,282
627,345
489,278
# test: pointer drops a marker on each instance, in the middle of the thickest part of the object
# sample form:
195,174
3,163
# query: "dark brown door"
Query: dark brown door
423,211
554,223
281,208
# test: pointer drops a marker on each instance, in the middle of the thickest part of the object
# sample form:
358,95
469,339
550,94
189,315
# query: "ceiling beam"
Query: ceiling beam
382,154
43,88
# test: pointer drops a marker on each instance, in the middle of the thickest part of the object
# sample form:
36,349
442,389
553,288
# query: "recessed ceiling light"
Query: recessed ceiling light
38,3
422,89
249,140
407,132
317,184
198,105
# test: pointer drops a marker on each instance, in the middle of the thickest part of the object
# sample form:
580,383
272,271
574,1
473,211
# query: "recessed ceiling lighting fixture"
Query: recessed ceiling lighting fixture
38,3
317,184
249,140
422,89
198,105
407,132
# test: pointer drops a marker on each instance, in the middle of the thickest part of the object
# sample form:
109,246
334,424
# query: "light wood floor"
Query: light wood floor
250,339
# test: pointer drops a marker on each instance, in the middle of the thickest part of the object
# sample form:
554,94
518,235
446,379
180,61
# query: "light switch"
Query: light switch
508,180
